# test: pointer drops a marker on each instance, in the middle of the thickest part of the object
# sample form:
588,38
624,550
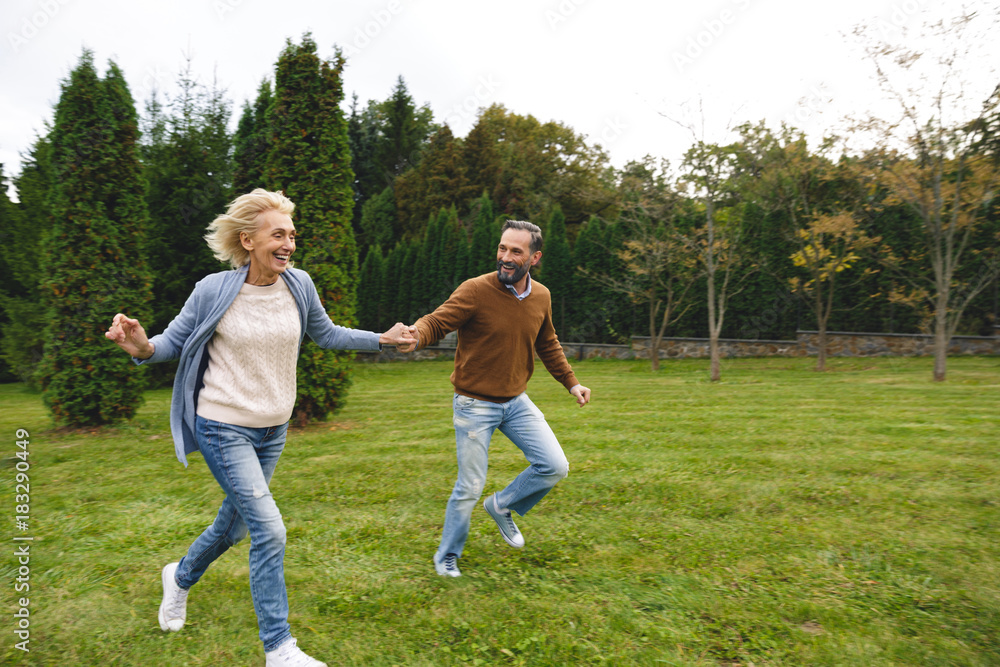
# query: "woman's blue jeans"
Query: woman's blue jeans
242,461
525,425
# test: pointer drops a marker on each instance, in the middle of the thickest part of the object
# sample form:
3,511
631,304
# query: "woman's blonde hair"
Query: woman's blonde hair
243,215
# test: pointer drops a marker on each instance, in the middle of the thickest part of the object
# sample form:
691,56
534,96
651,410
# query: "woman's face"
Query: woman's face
272,245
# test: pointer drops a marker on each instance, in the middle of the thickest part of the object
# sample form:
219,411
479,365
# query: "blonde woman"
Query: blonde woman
237,338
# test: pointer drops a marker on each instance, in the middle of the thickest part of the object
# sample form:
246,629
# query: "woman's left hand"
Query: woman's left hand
400,335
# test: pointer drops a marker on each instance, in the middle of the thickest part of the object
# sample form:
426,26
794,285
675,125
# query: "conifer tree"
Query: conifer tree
412,287
309,159
250,143
557,268
22,338
92,259
378,216
589,260
9,221
370,291
389,298
430,259
188,170
447,250
483,250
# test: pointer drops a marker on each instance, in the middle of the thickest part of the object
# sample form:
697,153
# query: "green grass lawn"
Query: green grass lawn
779,517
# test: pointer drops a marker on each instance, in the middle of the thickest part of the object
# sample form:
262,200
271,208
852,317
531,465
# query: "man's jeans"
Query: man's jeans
242,459
526,427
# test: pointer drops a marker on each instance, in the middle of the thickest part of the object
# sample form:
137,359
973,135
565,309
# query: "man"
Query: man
502,319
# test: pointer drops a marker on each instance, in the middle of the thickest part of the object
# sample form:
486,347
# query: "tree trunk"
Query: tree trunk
822,317
654,338
713,348
821,348
941,335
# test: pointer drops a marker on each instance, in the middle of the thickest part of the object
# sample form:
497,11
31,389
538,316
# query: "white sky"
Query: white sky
609,69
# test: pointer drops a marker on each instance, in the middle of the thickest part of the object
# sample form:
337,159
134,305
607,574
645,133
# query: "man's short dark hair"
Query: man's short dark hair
536,232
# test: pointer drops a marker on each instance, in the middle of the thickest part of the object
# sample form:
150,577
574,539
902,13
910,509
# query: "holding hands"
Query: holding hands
400,335
129,335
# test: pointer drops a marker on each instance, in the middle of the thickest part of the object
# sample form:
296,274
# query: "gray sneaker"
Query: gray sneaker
448,567
173,609
510,533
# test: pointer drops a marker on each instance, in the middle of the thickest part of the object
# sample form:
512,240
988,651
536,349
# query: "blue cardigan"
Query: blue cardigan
188,334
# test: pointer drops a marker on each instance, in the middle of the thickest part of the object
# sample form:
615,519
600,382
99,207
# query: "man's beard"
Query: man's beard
519,272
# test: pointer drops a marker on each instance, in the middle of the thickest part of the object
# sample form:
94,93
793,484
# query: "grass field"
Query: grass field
780,517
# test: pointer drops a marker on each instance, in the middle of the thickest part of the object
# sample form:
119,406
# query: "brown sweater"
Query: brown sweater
496,335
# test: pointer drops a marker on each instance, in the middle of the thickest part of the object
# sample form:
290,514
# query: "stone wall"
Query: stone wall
839,344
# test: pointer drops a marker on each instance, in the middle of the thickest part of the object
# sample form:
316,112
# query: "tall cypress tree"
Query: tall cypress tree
250,143
93,262
370,290
22,336
412,294
483,251
557,268
309,158
427,296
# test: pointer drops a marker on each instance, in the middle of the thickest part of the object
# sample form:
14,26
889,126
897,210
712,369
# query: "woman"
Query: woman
237,338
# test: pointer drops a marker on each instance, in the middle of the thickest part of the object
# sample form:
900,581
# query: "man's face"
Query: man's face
514,256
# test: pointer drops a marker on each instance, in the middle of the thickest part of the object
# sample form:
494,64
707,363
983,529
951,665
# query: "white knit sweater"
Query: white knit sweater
250,379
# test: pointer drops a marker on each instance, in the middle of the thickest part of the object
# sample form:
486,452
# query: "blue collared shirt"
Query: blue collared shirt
527,290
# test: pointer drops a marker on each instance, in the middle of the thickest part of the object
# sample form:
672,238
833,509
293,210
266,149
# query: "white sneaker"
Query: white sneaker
448,567
173,609
290,655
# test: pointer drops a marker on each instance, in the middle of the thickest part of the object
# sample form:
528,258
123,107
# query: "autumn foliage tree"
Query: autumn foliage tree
933,161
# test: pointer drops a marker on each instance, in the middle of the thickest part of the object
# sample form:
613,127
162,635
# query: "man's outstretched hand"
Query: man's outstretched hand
400,335
581,393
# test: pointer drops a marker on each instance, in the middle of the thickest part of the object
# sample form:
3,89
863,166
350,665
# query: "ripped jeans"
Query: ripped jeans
242,460
525,425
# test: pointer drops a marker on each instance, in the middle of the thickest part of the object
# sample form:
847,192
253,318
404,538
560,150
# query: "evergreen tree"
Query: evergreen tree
23,334
250,143
483,250
557,269
94,267
10,218
309,158
404,129
362,134
378,217
370,291
389,298
448,242
412,287
461,272
188,170
430,259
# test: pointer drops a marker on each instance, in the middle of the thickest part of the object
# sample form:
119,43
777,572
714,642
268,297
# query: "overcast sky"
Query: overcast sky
616,71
